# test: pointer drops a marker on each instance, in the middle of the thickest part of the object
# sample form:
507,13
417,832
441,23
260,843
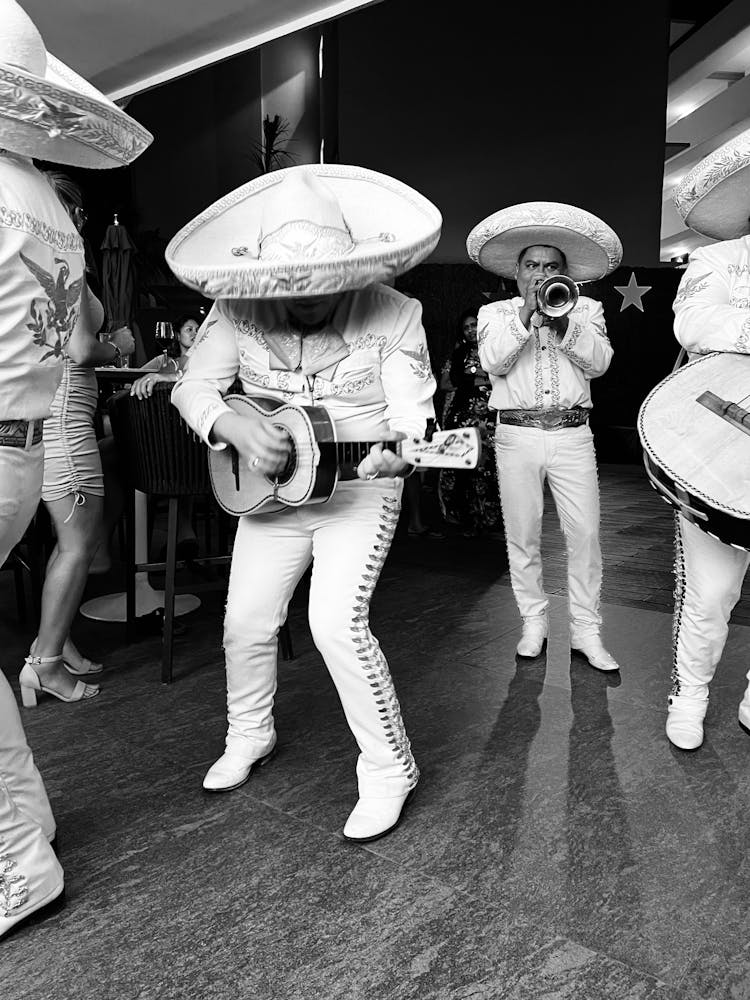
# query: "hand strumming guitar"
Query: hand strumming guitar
263,447
381,462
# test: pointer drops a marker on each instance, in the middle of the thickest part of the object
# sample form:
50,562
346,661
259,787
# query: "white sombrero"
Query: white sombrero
305,231
714,198
591,248
49,112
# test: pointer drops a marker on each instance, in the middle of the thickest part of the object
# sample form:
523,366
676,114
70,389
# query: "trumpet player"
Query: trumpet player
541,349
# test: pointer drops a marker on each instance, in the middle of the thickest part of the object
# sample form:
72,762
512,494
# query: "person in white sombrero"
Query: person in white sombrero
47,112
540,369
712,313
296,261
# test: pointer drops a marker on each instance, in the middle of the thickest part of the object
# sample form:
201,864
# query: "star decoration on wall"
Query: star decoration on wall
632,293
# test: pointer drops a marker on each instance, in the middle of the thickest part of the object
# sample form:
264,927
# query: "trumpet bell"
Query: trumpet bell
556,296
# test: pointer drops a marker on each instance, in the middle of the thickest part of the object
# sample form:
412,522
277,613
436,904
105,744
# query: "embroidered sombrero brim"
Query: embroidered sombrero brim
392,225
61,118
592,249
714,198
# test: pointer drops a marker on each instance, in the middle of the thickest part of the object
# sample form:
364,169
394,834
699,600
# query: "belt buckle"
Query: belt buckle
554,421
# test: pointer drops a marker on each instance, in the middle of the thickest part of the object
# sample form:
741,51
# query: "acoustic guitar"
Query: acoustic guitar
695,430
317,461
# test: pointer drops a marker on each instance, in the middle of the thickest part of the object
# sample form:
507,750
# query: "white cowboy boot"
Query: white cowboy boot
685,717
744,711
373,818
233,769
592,648
533,636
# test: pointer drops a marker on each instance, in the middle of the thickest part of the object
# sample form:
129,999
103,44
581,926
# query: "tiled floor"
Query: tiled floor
558,847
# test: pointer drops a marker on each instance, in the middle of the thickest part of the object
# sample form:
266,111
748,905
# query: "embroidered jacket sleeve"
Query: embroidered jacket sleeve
211,368
406,375
501,336
586,343
705,320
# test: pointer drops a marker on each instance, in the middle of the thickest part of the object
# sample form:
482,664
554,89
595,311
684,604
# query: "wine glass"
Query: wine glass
164,334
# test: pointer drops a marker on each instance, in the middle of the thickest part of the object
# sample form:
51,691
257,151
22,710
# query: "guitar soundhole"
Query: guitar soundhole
289,469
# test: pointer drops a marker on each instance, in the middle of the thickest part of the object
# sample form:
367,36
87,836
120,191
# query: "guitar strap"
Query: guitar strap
680,360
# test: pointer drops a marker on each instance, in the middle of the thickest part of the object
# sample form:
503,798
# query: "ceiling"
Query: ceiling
686,16
708,100
126,46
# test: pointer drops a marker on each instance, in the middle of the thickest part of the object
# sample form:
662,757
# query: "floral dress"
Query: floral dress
470,500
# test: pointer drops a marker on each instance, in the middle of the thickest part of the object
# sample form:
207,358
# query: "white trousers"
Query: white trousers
348,539
708,583
29,871
526,456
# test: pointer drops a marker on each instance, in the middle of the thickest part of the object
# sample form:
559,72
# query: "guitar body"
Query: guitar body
696,458
312,471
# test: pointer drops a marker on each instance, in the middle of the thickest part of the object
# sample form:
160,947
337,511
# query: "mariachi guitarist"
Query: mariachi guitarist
712,313
295,266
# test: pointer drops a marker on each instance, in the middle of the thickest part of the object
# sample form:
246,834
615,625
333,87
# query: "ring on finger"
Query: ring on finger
255,462
371,475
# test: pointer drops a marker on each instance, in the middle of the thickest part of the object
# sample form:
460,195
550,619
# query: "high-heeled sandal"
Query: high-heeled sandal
31,684
87,666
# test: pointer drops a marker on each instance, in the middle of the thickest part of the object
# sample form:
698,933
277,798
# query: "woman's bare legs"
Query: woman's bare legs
67,570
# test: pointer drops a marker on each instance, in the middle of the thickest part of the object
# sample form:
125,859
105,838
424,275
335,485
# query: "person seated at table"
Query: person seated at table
165,368
73,487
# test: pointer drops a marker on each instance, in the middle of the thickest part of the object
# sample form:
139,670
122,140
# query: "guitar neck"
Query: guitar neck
350,453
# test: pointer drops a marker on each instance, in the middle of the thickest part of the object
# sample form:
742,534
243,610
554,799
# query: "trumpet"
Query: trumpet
556,296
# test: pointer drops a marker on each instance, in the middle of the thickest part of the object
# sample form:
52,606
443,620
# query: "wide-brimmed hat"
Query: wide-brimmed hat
714,198
308,230
591,248
49,112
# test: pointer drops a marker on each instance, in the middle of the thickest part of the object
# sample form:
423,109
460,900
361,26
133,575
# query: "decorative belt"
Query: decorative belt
548,420
20,433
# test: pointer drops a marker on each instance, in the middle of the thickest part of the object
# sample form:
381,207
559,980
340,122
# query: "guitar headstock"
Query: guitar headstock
455,449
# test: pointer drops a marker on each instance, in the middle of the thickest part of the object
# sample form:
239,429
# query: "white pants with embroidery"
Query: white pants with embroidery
29,871
348,539
708,582
526,457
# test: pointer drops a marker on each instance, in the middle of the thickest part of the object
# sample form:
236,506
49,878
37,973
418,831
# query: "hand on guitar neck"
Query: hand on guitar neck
380,461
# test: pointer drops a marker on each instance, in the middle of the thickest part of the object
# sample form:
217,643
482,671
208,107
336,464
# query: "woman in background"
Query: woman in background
469,500
73,491
165,368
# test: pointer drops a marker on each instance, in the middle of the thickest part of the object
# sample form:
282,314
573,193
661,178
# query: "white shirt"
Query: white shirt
41,277
712,305
534,369
369,368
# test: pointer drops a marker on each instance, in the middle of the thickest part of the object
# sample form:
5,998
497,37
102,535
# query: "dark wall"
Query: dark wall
204,127
499,103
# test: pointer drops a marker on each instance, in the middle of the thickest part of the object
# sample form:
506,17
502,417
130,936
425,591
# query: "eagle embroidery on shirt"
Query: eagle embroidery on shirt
58,313
419,364
690,287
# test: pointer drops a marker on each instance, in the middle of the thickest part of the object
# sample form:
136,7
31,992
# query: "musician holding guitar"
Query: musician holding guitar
708,454
295,261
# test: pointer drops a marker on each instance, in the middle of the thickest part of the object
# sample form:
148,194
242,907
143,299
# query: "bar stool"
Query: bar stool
162,457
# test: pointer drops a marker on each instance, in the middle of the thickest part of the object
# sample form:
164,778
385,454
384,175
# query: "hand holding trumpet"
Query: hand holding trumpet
548,301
